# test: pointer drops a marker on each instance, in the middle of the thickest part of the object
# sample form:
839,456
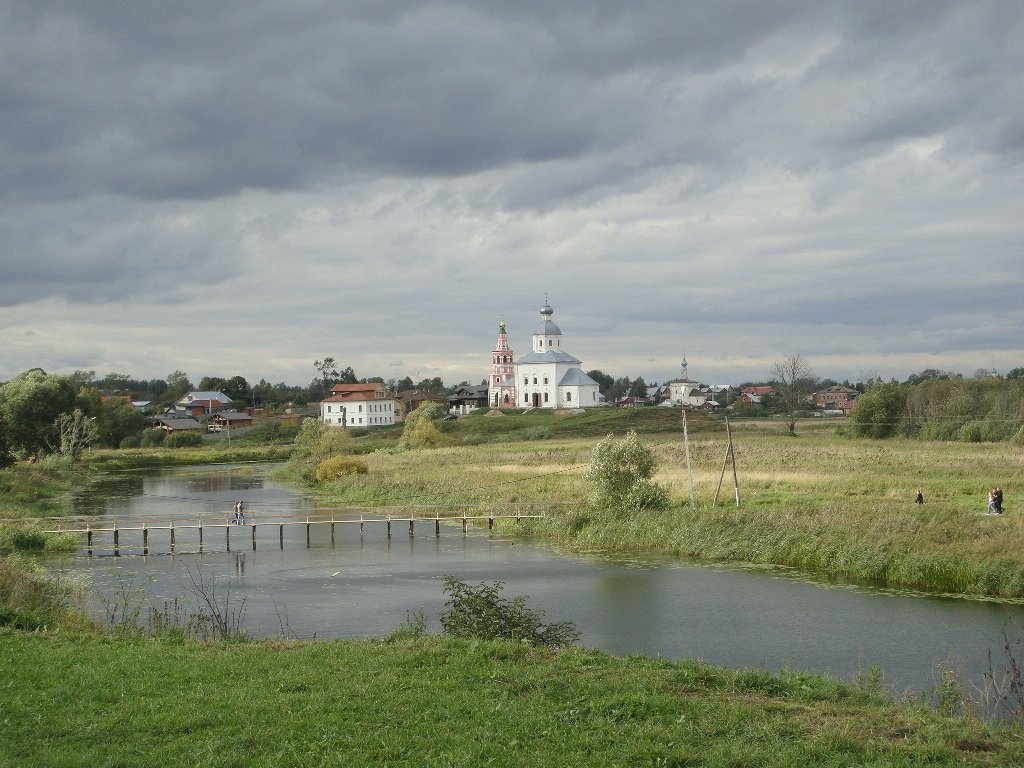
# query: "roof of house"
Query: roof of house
372,386
463,393
549,356
179,423
758,390
205,396
576,377
232,416
411,395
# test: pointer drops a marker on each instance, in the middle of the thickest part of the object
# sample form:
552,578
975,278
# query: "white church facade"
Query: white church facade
547,376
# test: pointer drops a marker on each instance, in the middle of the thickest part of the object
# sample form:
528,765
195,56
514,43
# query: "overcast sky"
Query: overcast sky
239,188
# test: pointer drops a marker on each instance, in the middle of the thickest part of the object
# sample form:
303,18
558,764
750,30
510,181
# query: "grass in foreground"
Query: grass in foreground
76,700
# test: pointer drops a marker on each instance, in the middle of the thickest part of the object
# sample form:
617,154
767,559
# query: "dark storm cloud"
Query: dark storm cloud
753,171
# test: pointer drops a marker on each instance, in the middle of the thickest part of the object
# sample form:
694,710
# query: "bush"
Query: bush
183,440
152,438
424,434
339,466
132,441
482,612
621,472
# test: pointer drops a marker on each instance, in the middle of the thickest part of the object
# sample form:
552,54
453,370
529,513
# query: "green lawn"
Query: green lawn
73,700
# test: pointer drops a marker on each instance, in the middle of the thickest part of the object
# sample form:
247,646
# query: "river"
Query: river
367,586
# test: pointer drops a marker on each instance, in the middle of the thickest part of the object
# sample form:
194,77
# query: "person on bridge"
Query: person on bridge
239,513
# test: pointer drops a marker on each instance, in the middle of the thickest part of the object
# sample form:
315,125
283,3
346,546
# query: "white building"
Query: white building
359,405
548,376
682,391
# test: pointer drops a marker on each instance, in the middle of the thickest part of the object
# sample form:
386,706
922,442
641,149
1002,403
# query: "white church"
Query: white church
545,377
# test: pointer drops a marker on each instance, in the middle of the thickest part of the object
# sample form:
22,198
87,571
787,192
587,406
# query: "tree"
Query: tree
177,385
877,413
237,388
75,433
328,368
793,378
604,381
1016,373
29,405
213,384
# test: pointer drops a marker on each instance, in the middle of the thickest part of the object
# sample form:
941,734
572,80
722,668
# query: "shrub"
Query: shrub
424,434
152,438
339,466
183,440
131,441
536,433
482,612
620,472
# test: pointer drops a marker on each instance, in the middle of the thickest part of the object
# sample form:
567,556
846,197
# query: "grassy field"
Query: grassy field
818,501
79,700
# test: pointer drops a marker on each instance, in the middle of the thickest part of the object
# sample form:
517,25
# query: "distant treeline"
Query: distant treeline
987,409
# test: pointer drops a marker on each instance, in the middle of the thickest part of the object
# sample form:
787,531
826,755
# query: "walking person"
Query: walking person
992,502
919,498
997,496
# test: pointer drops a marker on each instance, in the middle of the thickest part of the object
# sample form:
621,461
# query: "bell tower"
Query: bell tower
501,384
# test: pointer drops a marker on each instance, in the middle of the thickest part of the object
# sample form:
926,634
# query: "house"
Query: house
209,402
359,405
837,398
228,421
632,401
549,377
466,399
758,392
172,424
411,399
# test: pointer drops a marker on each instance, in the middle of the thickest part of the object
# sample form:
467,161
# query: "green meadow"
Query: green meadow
108,700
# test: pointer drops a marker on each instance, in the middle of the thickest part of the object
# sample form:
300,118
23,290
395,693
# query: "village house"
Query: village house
467,399
173,424
228,421
838,398
203,403
359,405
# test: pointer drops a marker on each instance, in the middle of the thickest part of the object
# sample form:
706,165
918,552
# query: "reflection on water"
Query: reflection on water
366,585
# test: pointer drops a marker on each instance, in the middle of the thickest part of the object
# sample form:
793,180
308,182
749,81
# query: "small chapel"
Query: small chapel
546,377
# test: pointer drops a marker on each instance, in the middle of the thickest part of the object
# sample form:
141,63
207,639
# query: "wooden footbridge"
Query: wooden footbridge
162,533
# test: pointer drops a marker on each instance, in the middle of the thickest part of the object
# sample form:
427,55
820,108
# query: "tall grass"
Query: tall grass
819,502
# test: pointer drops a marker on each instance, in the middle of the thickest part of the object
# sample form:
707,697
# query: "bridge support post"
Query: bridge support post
254,537
280,534
145,539
117,541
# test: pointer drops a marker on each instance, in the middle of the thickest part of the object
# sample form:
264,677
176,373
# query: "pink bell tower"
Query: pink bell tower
501,386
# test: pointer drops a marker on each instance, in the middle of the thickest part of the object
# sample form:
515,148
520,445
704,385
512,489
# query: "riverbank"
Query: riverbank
97,700
818,502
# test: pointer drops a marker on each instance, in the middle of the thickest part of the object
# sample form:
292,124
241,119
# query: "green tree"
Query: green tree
878,412
118,421
29,405
621,472
793,378
177,385
604,381
328,369
75,433
213,384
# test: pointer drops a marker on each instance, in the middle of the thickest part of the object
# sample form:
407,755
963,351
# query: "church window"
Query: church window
534,379
568,396
526,398
549,342
526,379
545,397
545,379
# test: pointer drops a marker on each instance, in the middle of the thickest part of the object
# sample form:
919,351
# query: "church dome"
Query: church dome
547,327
